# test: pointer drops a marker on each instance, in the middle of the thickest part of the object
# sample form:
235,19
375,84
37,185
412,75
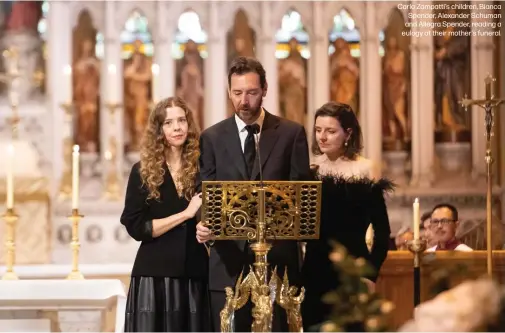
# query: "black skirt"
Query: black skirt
157,304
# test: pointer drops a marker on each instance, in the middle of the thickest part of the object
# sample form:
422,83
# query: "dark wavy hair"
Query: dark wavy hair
154,147
244,65
348,121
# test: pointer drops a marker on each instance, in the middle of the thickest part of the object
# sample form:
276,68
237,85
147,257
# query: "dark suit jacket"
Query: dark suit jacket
284,156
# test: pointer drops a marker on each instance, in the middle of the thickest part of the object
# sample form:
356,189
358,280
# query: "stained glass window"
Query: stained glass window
189,28
292,27
136,28
344,27
42,25
99,46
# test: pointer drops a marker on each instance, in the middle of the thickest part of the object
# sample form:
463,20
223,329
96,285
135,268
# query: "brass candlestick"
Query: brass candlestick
488,104
10,218
75,245
68,142
417,247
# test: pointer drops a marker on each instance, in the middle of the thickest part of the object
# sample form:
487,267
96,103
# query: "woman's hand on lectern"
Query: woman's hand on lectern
202,233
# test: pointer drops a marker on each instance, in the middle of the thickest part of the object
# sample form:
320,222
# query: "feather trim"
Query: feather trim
383,184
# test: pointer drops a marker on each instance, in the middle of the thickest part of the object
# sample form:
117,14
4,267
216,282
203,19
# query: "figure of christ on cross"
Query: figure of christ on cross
488,104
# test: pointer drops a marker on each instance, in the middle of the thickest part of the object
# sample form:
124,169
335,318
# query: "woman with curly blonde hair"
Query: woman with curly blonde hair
168,288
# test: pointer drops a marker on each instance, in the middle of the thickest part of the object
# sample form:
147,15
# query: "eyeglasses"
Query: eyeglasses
441,221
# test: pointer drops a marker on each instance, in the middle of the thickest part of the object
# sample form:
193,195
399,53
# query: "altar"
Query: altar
45,298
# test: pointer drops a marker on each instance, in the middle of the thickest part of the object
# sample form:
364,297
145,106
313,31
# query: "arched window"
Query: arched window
136,28
42,25
292,27
344,27
189,28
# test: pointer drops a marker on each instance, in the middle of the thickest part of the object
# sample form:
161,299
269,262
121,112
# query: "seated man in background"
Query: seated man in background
426,232
403,236
443,225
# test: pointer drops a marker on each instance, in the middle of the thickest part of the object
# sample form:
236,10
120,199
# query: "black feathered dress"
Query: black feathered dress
349,205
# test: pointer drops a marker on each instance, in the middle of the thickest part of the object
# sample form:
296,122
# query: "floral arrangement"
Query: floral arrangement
472,306
355,308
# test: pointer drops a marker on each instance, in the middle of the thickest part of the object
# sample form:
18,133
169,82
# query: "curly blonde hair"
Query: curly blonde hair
154,147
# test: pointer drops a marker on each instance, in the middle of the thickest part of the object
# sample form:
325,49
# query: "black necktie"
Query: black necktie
249,149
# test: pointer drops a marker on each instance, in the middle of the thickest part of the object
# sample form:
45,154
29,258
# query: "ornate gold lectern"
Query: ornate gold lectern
262,211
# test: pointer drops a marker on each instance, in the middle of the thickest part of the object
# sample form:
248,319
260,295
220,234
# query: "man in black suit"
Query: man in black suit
228,153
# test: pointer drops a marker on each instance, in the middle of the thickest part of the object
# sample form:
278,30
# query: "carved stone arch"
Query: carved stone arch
355,9
251,9
95,9
147,8
280,8
384,11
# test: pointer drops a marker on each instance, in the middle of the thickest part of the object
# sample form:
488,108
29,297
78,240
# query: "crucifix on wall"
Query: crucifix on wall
488,104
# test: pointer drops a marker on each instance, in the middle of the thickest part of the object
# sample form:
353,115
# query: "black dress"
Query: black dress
348,207
169,280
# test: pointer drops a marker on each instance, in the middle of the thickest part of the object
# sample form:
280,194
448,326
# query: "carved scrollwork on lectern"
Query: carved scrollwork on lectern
291,211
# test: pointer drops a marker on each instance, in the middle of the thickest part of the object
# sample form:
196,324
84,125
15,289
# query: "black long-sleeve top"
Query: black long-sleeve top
176,253
348,207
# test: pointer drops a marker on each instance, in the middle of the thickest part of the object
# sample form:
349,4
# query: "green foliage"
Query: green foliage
354,307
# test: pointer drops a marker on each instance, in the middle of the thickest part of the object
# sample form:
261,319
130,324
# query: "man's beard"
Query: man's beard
248,112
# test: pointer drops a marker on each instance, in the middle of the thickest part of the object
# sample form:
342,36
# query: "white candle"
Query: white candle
416,218
67,81
75,177
155,69
10,177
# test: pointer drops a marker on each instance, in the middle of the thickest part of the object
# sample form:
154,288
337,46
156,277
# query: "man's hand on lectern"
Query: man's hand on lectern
203,234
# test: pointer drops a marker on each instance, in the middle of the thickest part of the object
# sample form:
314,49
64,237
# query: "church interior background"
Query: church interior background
87,73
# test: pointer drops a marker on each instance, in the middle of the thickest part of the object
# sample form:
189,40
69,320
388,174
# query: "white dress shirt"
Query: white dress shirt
242,132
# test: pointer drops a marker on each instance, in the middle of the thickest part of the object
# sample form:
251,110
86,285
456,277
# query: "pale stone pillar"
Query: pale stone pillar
164,82
267,57
422,115
215,69
59,41
482,48
113,139
371,89
319,82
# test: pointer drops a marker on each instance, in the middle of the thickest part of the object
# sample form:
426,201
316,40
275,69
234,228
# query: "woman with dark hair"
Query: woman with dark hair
351,201
168,288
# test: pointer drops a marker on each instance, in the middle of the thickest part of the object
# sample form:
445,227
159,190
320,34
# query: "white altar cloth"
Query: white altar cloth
64,295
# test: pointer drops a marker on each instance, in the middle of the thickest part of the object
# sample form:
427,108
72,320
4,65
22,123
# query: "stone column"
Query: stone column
113,138
267,56
371,89
422,114
59,41
319,68
482,48
164,83
215,68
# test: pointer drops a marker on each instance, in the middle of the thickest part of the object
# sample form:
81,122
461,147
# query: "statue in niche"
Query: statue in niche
451,80
240,42
344,75
293,84
394,92
138,76
19,31
86,71
190,86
